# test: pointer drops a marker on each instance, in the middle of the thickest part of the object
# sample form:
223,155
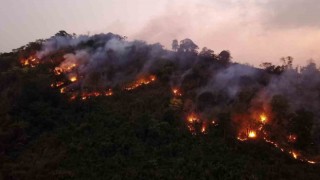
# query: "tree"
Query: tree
287,62
207,53
187,45
224,56
175,45
63,34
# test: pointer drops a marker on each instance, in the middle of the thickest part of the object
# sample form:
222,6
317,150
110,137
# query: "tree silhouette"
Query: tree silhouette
225,56
187,45
175,45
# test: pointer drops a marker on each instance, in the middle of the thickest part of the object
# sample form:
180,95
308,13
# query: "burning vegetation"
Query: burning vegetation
252,101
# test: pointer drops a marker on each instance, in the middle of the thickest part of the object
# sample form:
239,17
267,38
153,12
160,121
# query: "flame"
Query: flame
87,95
64,68
192,118
252,134
31,61
263,118
73,79
140,82
294,154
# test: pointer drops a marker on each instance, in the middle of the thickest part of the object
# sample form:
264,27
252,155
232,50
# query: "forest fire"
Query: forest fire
252,133
140,82
253,125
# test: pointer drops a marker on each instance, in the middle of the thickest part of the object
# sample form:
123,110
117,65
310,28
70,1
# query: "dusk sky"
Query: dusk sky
253,30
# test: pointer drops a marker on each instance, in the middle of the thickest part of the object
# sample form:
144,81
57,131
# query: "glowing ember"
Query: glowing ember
176,92
252,134
109,93
63,90
292,138
57,84
203,129
294,154
241,139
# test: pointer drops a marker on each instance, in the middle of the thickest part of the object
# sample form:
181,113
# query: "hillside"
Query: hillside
103,107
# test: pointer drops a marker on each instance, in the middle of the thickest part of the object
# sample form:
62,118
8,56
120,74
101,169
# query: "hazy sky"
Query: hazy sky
253,30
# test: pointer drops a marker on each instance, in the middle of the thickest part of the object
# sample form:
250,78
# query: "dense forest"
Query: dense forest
102,107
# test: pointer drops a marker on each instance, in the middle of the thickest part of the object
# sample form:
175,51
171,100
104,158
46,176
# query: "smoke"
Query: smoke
232,79
104,60
300,89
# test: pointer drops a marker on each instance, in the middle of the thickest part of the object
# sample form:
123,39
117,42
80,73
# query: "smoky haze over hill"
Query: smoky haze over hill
86,105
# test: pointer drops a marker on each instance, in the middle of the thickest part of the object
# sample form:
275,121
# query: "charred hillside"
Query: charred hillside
92,107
